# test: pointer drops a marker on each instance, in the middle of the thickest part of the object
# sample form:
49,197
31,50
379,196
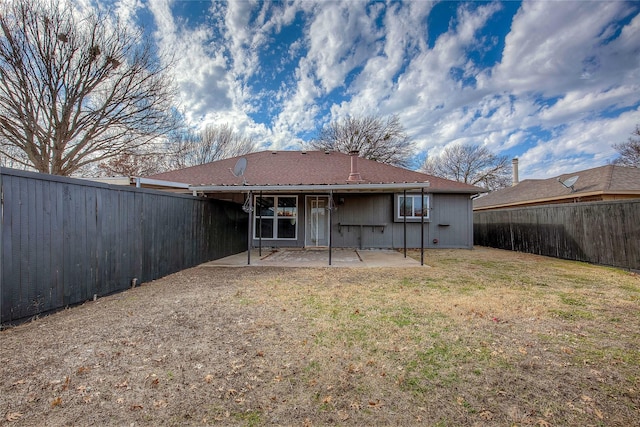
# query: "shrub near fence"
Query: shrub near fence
64,240
606,233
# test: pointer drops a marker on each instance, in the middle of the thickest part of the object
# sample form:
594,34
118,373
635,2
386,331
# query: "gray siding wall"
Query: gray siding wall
372,210
64,240
450,223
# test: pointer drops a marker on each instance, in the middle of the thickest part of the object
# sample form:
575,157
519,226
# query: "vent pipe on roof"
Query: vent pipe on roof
514,163
354,175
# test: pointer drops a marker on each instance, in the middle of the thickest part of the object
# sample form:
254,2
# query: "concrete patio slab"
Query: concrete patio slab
317,258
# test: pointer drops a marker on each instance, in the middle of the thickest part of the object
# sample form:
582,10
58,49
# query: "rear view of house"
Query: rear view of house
316,199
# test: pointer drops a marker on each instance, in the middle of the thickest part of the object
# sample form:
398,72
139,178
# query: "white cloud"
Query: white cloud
428,98
553,44
339,40
243,39
582,104
200,66
553,99
542,56
403,39
126,10
580,145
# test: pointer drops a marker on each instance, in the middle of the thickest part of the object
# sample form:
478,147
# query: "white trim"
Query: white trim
158,182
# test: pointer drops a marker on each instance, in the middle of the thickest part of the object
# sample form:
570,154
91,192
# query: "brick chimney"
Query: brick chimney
514,164
354,176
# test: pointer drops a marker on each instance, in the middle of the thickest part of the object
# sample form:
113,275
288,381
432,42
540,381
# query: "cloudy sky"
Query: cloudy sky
554,83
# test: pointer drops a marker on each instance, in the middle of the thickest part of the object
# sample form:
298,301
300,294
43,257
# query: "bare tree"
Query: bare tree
383,140
15,153
214,142
629,151
134,163
471,164
76,90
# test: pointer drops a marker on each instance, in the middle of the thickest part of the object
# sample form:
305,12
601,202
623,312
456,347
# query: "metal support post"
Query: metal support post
404,217
422,228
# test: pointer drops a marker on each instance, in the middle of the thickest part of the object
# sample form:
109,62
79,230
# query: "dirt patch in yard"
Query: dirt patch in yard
482,337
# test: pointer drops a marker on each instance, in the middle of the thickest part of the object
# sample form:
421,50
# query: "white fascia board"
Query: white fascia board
323,188
160,183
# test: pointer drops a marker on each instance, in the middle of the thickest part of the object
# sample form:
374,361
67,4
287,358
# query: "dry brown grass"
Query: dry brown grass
482,337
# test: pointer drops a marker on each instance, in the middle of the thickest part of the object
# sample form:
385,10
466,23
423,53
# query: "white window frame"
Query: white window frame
275,217
413,217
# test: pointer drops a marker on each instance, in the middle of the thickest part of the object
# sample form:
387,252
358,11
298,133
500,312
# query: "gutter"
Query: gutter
319,188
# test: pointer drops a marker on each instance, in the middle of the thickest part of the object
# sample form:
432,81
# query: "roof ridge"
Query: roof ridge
610,179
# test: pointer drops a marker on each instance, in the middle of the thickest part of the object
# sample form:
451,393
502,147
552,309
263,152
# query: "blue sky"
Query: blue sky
554,83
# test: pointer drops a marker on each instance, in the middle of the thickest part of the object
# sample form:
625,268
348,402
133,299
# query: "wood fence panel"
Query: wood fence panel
64,240
10,251
606,233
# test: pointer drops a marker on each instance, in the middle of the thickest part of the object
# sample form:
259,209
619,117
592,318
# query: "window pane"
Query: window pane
406,206
287,228
264,206
264,227
425,209
417,206
287,206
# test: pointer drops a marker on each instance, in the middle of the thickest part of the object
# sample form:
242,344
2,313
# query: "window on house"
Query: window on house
413,206
276,217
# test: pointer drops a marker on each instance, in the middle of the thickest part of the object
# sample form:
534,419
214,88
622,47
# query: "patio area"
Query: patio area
316,258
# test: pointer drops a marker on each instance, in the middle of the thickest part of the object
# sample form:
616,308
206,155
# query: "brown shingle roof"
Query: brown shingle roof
305,168
603,180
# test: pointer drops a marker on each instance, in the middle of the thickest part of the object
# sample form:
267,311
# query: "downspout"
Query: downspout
138,183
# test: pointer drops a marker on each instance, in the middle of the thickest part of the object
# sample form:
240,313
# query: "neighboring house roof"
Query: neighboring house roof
295,168
593,184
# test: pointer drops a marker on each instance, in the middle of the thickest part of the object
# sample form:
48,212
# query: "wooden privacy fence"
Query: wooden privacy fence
606,233
64,240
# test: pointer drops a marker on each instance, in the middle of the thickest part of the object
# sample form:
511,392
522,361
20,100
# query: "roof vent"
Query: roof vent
354,176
